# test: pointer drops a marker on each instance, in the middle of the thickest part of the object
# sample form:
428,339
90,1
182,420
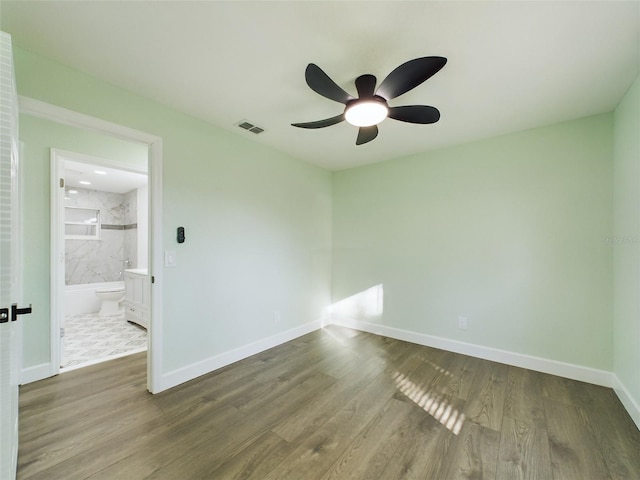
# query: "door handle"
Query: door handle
15,311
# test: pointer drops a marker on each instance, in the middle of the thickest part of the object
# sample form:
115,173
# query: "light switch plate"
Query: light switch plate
170,258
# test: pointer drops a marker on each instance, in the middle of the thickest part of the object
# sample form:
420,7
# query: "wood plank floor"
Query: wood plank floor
334,404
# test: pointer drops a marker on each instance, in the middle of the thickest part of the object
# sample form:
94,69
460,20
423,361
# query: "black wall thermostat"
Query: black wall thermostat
180,234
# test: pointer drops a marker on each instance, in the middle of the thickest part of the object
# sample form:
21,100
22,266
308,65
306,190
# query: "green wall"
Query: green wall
38,137
258,223
627,242
508,232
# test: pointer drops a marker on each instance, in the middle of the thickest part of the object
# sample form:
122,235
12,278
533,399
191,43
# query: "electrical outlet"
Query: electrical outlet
462,323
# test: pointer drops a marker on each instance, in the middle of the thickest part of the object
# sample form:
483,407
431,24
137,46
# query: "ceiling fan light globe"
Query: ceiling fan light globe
366,113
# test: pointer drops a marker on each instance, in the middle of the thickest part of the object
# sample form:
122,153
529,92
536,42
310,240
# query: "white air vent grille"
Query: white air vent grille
246,125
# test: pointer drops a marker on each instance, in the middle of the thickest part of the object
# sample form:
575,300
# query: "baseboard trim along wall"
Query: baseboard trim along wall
35,373
553,367
181,375
632,407
567,370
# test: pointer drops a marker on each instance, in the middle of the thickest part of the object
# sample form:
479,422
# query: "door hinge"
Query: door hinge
153,279
62,332
62,183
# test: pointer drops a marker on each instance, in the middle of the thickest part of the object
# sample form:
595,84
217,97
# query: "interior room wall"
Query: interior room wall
256,261
626,245
509,233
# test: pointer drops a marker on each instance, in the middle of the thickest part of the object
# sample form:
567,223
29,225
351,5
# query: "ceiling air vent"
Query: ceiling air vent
250,127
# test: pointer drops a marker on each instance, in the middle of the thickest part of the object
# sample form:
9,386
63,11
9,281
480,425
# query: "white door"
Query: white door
9,342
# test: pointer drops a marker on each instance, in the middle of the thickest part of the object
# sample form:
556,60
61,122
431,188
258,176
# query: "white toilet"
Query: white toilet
111,299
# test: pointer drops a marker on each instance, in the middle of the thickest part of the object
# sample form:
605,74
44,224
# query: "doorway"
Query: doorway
102,214
153,144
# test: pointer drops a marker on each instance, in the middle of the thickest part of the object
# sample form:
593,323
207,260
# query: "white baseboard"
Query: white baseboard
181,375
35,373
562,369
627,400
553,367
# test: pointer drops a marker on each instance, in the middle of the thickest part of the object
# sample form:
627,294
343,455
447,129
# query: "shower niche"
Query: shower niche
81,223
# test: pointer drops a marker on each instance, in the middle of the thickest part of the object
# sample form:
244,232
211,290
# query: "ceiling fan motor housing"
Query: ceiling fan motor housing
367,111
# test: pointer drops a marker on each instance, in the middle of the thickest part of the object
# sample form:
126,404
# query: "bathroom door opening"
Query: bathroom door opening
101,224
153,144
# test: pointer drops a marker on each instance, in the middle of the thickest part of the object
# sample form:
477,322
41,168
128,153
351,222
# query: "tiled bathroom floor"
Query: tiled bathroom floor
91,338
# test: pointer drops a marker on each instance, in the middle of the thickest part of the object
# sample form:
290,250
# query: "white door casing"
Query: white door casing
57,264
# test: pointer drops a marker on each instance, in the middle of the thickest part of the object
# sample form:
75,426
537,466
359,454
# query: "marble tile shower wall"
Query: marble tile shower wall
130,222
103,260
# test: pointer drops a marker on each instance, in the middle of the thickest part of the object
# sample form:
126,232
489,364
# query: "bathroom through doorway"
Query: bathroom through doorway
102,230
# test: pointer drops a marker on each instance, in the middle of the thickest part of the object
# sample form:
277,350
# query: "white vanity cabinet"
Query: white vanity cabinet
136,298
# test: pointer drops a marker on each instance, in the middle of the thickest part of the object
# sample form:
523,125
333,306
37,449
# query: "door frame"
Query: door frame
37,108
57,277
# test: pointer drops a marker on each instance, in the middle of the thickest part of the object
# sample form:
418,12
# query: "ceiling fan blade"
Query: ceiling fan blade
409,75
366,85
415,114
327,122
320,83
366,134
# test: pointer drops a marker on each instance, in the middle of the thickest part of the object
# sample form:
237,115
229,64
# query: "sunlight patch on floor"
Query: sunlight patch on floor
435,405
340,335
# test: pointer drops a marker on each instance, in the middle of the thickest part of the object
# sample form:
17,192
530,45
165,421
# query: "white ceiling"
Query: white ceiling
110,180
511,65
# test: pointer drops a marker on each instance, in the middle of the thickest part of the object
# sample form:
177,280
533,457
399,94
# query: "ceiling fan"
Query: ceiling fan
371,107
